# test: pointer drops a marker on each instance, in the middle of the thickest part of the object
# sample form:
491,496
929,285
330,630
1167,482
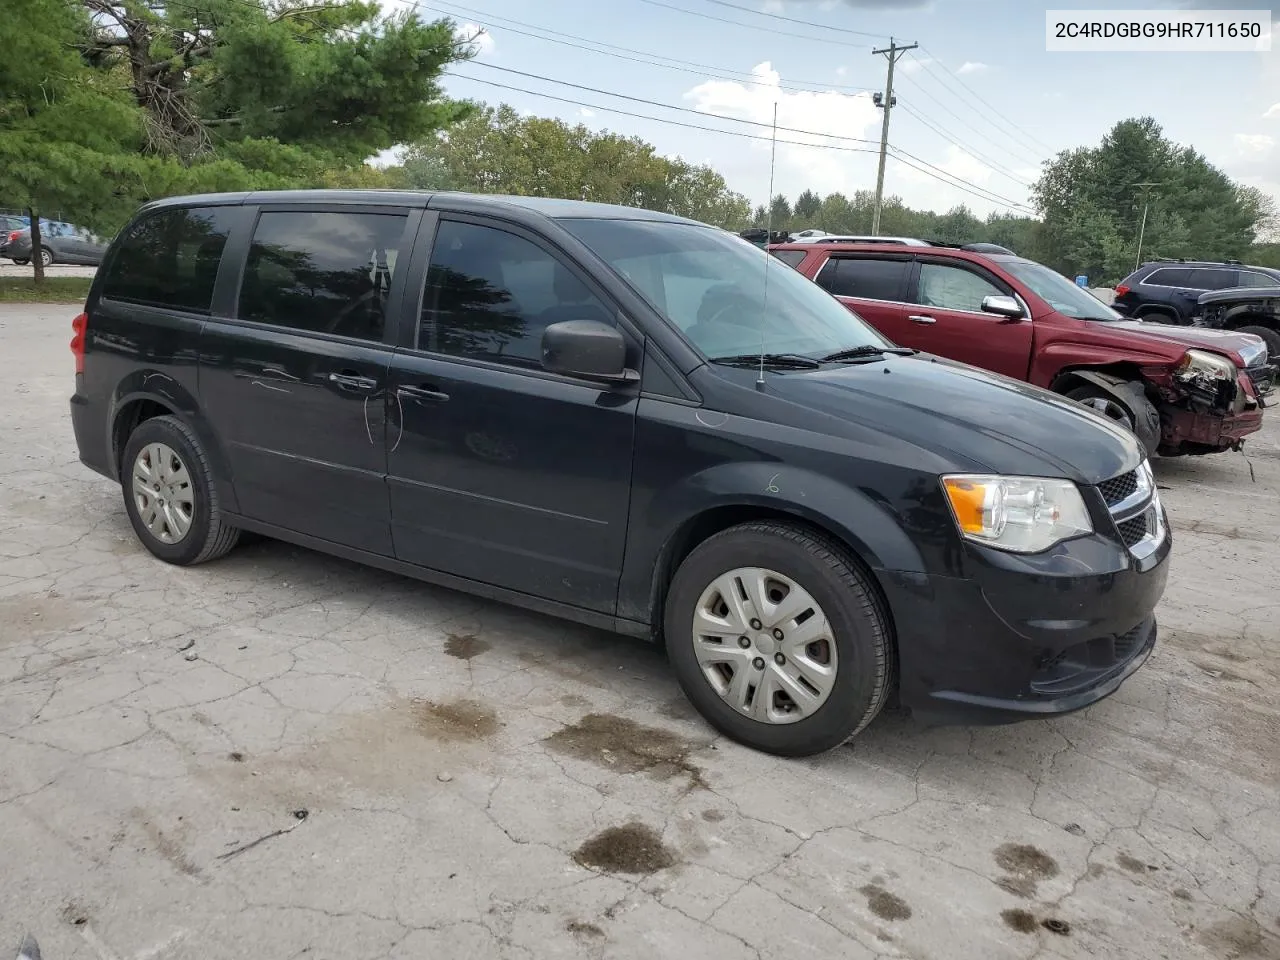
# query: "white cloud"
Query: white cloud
825,118
1273,113
586,112
1254,145
915,65
972,66
479,36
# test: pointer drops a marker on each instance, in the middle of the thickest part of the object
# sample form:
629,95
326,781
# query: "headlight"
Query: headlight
1197,363
1018,514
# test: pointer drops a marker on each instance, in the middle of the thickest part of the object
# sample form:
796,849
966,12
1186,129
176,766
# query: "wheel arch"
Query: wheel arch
1125,383
1158,310
1251,318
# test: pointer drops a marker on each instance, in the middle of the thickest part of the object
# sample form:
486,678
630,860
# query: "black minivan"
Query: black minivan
631,420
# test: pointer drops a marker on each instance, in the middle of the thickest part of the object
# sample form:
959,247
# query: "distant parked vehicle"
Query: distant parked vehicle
1169,291
1253,310
59,243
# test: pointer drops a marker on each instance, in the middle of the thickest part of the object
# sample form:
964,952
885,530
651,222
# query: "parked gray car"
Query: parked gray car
59,243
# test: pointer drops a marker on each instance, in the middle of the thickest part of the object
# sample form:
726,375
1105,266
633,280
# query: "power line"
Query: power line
951,137
978,192
659,103
806,23
749,26
996,121
640,56
1021,152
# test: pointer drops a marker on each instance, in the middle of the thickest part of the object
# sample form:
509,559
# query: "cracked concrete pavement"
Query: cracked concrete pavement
438,776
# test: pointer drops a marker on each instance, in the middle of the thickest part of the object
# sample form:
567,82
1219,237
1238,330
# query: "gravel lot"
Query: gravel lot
476,780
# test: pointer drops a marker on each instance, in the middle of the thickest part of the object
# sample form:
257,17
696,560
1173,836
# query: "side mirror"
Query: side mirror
588,349
1003,307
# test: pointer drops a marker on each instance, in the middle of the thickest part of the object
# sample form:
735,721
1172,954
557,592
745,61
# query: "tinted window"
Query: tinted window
870,279
1252,278
791,258
1212,279
490,294
322,272
1169,277
170,259
953,288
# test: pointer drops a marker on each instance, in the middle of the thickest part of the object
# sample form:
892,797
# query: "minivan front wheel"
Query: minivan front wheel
170,495
779,639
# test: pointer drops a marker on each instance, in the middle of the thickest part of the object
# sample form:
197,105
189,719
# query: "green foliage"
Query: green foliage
50,290
68,135
499,151
1092,204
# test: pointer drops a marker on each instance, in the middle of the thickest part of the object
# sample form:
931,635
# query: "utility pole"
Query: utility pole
885,103
1142,231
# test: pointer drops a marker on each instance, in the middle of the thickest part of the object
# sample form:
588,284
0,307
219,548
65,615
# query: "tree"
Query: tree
288,87
807,206
68,137
779,213
496,150
1092,200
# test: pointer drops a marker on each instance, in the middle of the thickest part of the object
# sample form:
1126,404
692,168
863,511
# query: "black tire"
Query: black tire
1160,316
46,256
1140,417
1271,337
860,627
208,536
21,261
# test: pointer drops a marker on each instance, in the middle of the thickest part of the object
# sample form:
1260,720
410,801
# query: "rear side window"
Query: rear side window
792,258
1252,278
1169,277
1212,279
870,279
490,294
953,288
322,272
170,259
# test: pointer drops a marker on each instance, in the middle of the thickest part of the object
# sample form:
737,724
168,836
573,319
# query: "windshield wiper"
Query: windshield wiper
792,361
867,350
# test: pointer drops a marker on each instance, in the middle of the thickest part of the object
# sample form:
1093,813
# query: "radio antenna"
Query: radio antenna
768,239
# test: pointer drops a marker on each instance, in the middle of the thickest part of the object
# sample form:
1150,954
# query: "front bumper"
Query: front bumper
1026,636
1180,426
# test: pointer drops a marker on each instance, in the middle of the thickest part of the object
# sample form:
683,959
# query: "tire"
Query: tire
1271,337
1146,426
46,256
857,644
1160,316
21,261
192,530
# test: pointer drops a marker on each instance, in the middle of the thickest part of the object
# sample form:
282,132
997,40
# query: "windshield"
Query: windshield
1059,292
712,285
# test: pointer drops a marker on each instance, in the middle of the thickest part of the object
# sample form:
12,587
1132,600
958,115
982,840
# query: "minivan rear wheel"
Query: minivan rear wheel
779,638
170,495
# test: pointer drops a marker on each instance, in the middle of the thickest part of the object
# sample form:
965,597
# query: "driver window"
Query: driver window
322,272
952,288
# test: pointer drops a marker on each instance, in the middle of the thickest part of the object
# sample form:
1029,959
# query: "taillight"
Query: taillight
14,235
1122,291
79,325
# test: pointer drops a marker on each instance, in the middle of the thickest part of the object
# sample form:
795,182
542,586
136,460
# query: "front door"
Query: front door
874,287
949,321
295,383
498,471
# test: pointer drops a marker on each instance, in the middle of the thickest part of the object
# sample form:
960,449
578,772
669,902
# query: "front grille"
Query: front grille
1117,488
1131,531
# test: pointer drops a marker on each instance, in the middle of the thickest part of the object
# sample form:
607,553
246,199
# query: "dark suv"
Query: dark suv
630,420
1168,291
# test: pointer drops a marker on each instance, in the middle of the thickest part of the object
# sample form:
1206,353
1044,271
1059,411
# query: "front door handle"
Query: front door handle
421,393
921,318
348,380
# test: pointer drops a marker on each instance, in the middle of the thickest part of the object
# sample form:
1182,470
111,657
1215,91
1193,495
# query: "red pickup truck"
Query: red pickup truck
1182,390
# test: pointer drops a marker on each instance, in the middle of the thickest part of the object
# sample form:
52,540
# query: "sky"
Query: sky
980,103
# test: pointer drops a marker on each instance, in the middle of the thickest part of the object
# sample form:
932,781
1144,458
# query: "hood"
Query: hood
1226,342
980,421
1241,294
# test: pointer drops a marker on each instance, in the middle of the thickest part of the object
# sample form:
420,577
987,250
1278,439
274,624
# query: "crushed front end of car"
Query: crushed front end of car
1208,404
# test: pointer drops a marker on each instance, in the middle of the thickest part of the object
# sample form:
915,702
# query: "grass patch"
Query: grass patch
53,290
